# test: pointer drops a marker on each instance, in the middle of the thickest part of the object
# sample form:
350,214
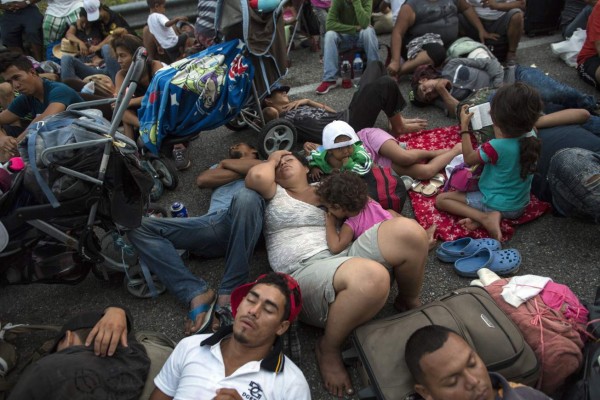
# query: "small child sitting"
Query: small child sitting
162,28
341,151
509,161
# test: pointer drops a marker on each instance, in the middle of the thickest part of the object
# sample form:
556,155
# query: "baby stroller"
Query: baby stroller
222,85
83,180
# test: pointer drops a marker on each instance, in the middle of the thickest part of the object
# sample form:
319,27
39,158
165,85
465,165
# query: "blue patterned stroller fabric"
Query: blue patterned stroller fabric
201,92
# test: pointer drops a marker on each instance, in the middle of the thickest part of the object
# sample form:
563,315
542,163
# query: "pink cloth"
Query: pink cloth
561,298
555,341
372,140
321,3
372,214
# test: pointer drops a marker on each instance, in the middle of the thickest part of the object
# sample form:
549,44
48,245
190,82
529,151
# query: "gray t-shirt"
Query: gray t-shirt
434,16
310,121
468,75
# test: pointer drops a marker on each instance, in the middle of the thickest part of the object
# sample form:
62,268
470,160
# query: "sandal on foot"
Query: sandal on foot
224,315
502,262
203,308
464,247
434,185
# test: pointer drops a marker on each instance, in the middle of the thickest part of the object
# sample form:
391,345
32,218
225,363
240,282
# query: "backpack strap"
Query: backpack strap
31,138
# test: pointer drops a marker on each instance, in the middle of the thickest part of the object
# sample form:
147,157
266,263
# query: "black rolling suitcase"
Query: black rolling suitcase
379,345
542,17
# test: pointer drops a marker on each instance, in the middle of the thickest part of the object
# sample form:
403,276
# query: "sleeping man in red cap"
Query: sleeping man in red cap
245,360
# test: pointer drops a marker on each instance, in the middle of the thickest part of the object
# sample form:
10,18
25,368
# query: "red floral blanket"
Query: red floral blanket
447,224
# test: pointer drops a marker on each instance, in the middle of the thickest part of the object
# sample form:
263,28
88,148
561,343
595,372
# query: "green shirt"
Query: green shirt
345,15
359,162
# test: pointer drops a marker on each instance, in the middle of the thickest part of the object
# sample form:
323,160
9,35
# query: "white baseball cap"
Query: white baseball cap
92,8
335,129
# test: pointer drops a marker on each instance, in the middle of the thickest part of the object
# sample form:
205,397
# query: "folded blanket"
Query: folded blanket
447,225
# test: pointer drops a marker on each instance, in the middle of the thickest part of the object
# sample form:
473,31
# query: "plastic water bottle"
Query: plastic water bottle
346,72
357,66
89,88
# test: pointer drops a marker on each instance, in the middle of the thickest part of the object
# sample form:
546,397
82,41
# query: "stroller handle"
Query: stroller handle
128,87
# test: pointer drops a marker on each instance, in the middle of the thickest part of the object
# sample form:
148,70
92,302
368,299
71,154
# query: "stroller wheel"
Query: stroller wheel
237,124
278,134
166,171
157,190
137,286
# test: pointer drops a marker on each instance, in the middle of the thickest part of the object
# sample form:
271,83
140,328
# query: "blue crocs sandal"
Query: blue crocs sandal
502,262
464,247
203,308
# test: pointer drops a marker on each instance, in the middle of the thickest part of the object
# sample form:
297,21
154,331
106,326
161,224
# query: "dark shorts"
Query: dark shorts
27,21
12,130
499,26
587,70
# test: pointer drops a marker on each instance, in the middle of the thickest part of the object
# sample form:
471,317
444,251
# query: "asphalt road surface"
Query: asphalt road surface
565,250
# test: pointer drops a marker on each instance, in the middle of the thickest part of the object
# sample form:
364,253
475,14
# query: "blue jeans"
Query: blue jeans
574,179
334,42
73,67
580,21
554,92
232,233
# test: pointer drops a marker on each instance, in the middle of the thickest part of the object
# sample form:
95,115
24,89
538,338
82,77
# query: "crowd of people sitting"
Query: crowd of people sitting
334,251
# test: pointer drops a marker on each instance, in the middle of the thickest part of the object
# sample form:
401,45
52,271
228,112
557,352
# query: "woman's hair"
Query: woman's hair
122,38
345,189
515,109
422,72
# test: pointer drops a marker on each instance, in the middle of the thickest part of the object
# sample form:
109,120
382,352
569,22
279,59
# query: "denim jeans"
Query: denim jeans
73,67
574,179
336,42
552,91
232,233
580,21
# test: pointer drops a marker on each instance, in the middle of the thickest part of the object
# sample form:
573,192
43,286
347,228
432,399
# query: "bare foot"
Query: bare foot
335,377
204,298
413,124
431,240
491,223
402,304
469,224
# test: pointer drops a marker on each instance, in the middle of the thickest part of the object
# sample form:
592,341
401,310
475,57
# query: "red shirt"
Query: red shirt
593,34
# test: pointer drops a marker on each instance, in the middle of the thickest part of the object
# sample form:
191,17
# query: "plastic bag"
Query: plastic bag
568,49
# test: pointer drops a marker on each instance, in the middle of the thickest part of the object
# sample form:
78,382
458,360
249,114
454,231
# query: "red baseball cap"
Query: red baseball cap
295,306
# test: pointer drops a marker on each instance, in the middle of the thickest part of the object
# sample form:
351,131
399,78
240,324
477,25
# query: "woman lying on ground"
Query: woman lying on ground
124,46
378,92
462,76
342,291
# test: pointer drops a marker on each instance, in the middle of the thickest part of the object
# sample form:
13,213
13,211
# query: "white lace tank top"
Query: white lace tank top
294,231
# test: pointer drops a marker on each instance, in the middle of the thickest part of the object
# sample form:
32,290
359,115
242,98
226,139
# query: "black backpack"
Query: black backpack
586,384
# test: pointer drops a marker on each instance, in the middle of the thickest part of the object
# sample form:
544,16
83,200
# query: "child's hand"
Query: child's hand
315,174
309,147
443,85
465,116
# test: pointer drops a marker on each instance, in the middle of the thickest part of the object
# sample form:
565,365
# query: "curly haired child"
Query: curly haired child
509,161
345,195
